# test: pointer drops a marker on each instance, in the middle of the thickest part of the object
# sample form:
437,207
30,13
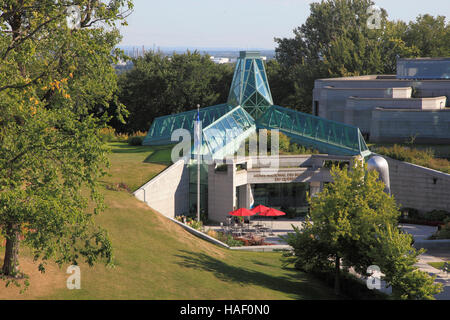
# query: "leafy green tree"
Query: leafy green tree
53,79
396,258
353,223
160,85
430,35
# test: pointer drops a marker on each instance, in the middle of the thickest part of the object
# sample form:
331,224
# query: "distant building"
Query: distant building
392,108
220,60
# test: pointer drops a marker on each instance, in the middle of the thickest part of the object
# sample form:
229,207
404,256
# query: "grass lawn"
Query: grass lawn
437,265
156,259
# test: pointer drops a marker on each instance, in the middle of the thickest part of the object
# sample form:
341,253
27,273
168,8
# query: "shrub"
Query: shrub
107,134
433,218
425,158
135,141
351,286
443,232
410,212
437,215
197,225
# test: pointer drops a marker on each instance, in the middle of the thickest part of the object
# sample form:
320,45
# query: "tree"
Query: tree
354,223
430,35
53,80
160,85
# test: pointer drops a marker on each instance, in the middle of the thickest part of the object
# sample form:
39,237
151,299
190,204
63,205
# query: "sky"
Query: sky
240,24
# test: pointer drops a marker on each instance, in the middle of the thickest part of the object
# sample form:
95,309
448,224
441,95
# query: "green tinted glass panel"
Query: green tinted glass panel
326,135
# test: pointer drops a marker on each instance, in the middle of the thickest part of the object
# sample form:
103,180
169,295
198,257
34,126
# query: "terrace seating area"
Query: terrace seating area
251,229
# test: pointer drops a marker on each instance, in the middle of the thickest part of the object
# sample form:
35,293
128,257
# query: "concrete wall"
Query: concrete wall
327,89
434,103
221,193
401,125
358,111
418,187
168,192
332,101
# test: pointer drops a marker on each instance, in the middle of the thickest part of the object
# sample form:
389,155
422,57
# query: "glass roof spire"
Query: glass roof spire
250,88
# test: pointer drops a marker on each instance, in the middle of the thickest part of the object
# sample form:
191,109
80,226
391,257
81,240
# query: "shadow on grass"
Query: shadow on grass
124,148
160,156
298,285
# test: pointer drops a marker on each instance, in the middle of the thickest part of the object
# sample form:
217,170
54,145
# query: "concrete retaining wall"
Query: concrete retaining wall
418,187
168,192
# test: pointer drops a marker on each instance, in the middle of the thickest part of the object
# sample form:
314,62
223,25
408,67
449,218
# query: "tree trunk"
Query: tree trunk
11,261
337,285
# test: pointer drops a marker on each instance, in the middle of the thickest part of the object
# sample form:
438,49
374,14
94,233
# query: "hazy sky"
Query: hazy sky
242,24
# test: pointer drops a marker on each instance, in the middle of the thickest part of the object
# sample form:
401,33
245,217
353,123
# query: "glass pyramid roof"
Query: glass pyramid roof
250,88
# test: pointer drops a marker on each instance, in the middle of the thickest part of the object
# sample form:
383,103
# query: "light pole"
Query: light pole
198,161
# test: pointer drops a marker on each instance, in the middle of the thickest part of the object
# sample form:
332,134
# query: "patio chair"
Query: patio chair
237,231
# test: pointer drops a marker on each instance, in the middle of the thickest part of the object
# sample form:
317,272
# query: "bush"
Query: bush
410,213
443,232
227,239
437,215
425,158
135,141
197,225
433,218
107,134
351,286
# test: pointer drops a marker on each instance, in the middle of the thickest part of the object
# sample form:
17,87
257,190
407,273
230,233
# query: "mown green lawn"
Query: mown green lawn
156,259
437,265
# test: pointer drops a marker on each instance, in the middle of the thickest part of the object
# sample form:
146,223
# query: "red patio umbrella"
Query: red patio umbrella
260,209
272,213
242,212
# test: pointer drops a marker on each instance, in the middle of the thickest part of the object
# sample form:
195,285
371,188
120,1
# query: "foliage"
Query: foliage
108,134
197,225
286,145
159,85
396,257
335,41
425,158
135,141
52,84
228,239
443,231
352,220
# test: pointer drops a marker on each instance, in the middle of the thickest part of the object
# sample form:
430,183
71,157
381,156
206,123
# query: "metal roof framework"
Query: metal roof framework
327,136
